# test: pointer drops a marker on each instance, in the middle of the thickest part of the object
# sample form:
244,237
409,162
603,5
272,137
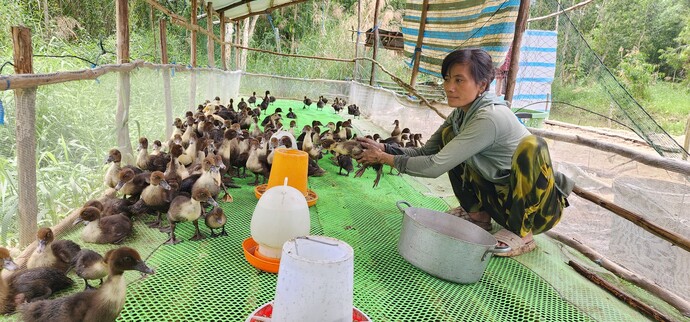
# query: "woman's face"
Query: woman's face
461,89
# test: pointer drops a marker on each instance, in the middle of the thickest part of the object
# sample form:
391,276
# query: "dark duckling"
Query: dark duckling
252,99
352,148
291,114
307,103
345,162
7,303
103,230
37,284
216,219
102,305
52,253
90,265
185,208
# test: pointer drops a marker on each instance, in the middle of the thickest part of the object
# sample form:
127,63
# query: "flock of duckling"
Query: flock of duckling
176,180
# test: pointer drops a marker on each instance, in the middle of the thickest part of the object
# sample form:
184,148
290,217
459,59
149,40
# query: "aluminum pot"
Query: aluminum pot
445,246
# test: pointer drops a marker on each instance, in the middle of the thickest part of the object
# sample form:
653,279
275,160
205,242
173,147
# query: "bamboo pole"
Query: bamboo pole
671,237
167,93
642,307
418,47
372,80
223,46
359,28
520,24
123,82
209,40
656,161
674,300
25,132
686,144
192,80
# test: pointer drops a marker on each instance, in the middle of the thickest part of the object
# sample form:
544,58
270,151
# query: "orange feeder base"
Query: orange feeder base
267,264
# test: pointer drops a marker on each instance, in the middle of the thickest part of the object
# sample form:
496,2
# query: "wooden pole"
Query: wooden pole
209,41
686,144
376,42
520,23
192,81
359,30
237,42
642,307
418,47
166,79
122,114
636,219
25,132
223,46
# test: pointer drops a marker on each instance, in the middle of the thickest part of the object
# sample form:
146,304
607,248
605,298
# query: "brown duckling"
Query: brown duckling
38,283
185,208
103,230
155,198
114,158
345,162
143,153
90,265
49,253
100,305
132,183
7,303
352,148
216,219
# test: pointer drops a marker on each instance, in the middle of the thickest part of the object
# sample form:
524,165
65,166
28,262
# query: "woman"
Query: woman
496,168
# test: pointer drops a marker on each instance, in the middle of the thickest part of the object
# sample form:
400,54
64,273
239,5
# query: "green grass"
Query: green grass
668,106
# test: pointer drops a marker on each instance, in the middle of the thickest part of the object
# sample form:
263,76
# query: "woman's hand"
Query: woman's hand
370,144
370,156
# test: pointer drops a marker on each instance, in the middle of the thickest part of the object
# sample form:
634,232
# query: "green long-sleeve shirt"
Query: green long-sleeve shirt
485,138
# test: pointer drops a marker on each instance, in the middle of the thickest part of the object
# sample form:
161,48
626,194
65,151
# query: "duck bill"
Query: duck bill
165,185
119,185
141,266
41,246
108,159
79,220
212,201
8,264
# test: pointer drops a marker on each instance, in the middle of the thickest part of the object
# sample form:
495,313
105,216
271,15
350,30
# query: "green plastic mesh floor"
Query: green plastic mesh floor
210,280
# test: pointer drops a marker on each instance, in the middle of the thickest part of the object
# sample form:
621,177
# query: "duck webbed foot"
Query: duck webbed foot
197,233
213,234
256,182
156,223
223,232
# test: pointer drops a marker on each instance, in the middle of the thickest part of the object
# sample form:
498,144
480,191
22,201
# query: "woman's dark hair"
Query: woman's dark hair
481,65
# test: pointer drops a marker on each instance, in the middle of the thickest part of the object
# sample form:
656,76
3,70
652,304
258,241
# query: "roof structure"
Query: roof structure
240,9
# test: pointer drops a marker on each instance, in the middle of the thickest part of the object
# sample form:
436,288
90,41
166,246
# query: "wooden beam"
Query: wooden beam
25,132
209,40
223,46
195,7
122,115
237,43
520,24
167,93
636,219
372,79
418,46
19,81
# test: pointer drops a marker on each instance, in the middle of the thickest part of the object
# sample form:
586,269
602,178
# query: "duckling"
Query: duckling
143,153
189,154
320,104
156,148
345,162
90,265
155,197
101,305
291,114
38,283
7,303
257,162
216,219
209,178
185,208
307,103
103,230
114,157
59,253
131,183
252,99
352,148
396,131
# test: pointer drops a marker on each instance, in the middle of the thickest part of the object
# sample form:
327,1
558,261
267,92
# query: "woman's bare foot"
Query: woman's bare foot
527,239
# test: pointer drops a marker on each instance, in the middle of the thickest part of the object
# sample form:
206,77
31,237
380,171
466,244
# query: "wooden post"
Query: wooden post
359,29
192,76
166,79
520,23
209,41
418,48
237,42
123,82
376,43
25,131
686,145
223,46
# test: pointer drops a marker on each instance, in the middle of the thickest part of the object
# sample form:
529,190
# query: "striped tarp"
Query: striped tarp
453,24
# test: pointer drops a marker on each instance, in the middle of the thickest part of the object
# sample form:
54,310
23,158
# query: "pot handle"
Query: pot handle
402,202
496,250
